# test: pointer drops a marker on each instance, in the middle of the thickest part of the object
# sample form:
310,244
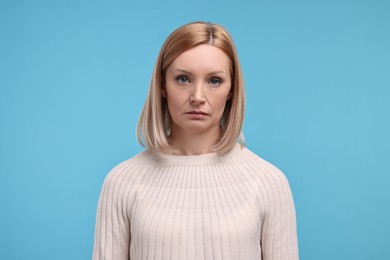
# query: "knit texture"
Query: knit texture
233,206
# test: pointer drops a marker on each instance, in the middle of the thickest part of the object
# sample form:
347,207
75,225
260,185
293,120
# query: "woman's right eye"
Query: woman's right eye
182,79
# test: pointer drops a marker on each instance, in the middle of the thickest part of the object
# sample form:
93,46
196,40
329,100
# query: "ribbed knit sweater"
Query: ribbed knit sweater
234,206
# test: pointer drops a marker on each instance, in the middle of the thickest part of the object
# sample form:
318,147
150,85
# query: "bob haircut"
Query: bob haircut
153,128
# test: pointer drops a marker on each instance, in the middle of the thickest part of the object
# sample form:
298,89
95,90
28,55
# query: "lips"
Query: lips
197,113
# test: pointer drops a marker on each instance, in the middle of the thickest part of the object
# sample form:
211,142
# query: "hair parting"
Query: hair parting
211,33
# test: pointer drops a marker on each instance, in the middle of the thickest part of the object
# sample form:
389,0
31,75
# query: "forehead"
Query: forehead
203,57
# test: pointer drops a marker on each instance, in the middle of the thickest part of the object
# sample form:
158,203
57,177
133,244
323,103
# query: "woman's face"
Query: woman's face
197,86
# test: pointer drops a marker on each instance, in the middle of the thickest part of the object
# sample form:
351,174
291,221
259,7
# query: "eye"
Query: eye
215,82
182,79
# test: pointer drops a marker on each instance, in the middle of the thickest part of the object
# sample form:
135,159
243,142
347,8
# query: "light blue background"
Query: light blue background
74,76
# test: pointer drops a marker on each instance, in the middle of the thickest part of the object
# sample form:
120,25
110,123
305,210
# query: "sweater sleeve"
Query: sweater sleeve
112,231
279,233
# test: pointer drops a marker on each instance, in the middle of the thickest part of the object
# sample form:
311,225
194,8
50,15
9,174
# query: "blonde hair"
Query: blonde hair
153,128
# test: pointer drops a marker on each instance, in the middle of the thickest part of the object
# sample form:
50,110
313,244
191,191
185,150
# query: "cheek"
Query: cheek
219,105
175,98
176,101
222,98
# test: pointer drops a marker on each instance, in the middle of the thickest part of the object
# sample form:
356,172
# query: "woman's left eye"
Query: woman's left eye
215,81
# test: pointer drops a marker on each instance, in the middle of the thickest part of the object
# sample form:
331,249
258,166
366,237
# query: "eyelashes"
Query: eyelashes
185,80
215,81
182,79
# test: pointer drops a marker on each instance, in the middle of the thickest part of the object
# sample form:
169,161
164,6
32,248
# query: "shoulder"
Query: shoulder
262,169
129,170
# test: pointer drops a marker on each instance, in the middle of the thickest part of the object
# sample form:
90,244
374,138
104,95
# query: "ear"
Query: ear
163,88
229,96
163,93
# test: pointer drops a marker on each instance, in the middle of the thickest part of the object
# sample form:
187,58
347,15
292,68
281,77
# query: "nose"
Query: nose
197,96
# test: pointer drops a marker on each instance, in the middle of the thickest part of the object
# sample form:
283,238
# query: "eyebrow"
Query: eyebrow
188,72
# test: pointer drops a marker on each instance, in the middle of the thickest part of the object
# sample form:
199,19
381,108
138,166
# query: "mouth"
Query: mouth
197,113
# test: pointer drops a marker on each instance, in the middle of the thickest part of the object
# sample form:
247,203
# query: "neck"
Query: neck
183,143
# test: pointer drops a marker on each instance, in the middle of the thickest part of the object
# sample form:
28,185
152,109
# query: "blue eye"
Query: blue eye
215,81
182,79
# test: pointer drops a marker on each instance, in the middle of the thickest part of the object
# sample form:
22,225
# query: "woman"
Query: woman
196,192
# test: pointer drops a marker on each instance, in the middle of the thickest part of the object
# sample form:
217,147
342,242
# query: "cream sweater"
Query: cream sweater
232,207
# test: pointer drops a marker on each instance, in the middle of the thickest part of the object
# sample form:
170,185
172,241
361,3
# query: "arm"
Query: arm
279,234
112,233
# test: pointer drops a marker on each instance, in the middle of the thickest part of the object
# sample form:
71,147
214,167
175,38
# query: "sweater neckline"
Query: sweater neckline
207,158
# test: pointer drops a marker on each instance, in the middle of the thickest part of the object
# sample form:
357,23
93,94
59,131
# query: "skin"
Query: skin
197,86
